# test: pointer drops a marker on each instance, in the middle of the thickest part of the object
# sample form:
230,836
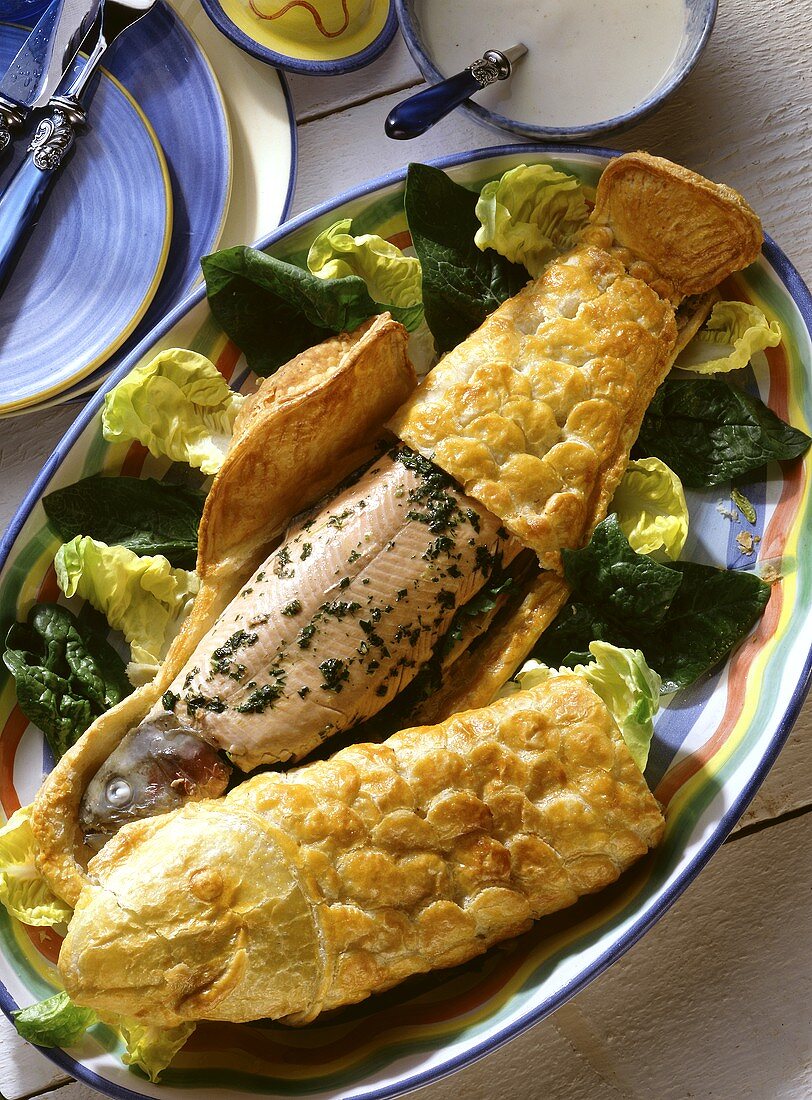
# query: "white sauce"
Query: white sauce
588,60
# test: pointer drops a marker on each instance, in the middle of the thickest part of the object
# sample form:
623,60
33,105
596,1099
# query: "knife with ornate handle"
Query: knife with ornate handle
53,139
42,61
420,112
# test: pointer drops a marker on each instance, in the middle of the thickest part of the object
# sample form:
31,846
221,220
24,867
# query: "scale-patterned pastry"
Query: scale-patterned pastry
302,892
535,413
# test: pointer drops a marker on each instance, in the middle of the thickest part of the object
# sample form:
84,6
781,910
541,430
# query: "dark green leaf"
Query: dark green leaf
626,586
54,1022
461,284
708,432
712,610
66,675
272,310
687,617
146,516
566,640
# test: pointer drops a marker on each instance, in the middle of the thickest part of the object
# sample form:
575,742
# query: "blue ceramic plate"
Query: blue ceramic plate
169,76
315,37
94,260
699,19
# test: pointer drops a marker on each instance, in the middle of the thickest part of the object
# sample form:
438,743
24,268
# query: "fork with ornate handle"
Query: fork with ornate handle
22,199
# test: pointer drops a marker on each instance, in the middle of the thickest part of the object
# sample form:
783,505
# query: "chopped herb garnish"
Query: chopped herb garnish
203,702
170,700
281,565
307,550
238,639
305,636
292,608
261,699
335,672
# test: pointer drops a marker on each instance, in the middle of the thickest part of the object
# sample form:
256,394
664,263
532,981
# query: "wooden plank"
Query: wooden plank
712,1003
315,97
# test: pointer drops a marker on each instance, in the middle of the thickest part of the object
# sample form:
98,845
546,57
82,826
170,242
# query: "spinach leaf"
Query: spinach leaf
66,674
461,284
709,432
625,585
146,516
272,310
712,610
684,617
54,1022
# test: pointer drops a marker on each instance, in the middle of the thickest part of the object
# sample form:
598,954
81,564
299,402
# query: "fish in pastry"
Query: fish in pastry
526,425
305,891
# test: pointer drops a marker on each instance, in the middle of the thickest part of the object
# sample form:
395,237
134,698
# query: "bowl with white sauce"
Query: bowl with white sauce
592,66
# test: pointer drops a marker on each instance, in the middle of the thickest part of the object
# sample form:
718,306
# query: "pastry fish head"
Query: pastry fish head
157,767
195,915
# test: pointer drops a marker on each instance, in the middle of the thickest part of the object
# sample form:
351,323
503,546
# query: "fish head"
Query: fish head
158,766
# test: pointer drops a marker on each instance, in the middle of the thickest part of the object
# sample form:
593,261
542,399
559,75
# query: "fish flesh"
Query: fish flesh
334,624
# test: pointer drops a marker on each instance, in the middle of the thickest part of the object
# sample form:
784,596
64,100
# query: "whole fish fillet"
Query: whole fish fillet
305,891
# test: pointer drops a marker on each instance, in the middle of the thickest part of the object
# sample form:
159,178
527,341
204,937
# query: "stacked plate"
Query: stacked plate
144,196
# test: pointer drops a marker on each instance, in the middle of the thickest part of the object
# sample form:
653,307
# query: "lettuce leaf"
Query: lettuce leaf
143,597
65,673
145,515
623,680
729,339
178,405
531,214
23,890
272,310
709,432
685,617
393,279
54,1022
461,284
650,506
151,1049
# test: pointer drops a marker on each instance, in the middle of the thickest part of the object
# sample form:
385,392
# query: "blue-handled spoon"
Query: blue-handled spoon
420,112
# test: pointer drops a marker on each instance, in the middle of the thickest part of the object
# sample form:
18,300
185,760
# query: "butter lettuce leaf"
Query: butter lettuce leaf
733,333
151,1049
531,214
461,283
650,506
272,310
54,1022
708,432
392,278
143,597
24,892
623,680
178,405
684,617
65,673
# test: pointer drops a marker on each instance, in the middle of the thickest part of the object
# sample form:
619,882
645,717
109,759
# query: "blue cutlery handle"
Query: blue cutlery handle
21,201
418,113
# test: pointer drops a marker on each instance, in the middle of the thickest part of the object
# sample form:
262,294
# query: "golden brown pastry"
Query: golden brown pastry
302,892
536,412
330,385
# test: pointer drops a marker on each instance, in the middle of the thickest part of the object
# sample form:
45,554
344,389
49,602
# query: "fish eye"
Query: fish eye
118,792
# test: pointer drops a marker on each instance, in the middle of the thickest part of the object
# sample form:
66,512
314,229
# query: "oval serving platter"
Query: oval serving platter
712,748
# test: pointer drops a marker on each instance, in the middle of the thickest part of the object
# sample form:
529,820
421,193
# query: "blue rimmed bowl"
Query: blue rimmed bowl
699,20
314,37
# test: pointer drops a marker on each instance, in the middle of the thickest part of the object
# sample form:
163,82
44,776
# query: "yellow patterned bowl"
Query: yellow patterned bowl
317,37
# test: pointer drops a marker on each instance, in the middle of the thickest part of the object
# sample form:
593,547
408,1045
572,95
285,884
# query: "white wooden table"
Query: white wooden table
715,1003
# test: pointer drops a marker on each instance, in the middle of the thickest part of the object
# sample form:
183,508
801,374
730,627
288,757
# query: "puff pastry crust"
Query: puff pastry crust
306,891
535,413
304,429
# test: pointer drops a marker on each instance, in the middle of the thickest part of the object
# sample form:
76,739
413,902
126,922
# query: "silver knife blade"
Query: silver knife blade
36,71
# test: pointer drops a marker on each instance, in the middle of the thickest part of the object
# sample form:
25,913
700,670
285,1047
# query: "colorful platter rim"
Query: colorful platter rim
700,17
711,752
198,149
234,19
39,360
